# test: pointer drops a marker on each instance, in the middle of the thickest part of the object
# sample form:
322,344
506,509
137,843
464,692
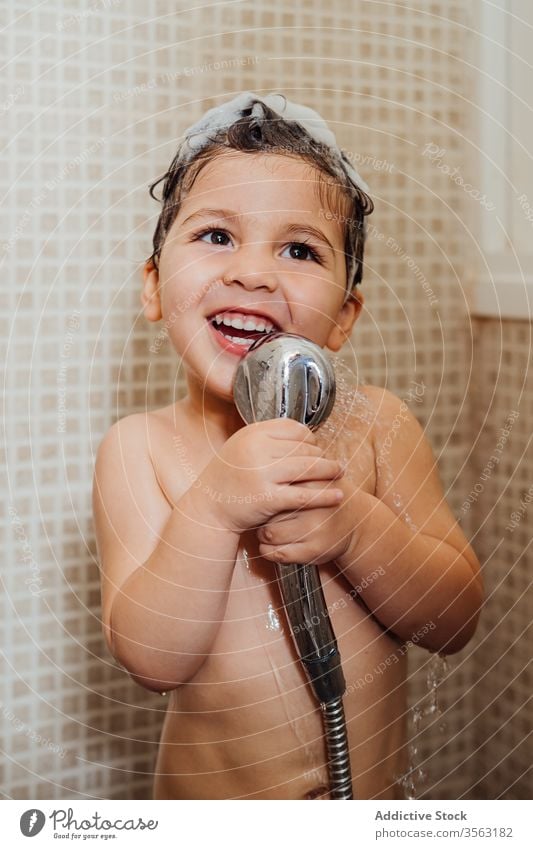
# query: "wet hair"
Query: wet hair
348,203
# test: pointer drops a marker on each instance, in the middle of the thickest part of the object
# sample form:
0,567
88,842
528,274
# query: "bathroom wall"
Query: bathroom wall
502,683
94,103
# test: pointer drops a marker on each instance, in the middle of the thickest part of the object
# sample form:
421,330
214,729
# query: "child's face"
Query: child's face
254,258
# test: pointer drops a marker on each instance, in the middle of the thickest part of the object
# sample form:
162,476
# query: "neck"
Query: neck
217,416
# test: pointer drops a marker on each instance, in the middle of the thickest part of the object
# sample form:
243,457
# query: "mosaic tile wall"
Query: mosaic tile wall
94,100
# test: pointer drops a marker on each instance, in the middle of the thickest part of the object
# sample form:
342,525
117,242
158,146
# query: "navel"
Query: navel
317,792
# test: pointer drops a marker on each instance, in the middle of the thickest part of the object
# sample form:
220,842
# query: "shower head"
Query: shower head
284,375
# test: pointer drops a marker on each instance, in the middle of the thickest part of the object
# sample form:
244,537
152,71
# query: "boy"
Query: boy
261,228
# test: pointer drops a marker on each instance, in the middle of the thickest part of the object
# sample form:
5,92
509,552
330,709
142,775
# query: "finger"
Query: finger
290,527
305,449
300,498
317,469
281,518
313,482
308,468
296,449
291,429
297,553
272,536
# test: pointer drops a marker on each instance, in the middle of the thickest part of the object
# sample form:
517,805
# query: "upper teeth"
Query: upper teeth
249,323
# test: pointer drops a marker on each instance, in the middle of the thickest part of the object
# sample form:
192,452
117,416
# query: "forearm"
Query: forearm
166,615
425,586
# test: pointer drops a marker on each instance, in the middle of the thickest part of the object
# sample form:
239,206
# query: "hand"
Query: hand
316,535
261,471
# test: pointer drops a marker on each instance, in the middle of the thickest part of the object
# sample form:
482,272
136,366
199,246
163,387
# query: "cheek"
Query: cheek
318,296
188,279
314,321
180,291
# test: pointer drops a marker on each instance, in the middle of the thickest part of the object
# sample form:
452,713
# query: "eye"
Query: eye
199,236
304,250
303,247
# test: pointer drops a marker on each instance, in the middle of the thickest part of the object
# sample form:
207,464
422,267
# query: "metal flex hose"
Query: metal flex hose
284,374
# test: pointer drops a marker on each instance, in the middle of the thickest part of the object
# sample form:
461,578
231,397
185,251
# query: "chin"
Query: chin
216,379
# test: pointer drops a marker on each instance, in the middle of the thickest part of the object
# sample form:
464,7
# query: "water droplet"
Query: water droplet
409,521
273,623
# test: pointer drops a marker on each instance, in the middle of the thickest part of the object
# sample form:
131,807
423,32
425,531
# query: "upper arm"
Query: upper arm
408,479
129,508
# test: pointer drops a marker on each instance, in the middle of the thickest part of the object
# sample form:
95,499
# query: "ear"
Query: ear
150,298
346,318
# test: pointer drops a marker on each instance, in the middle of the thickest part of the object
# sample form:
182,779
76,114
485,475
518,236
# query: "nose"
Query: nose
250,266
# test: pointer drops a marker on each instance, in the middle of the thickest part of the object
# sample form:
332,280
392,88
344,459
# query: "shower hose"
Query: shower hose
313,635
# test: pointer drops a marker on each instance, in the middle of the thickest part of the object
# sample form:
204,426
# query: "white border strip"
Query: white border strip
505,289
493,123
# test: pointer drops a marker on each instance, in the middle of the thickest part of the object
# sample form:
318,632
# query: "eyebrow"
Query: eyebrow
294,227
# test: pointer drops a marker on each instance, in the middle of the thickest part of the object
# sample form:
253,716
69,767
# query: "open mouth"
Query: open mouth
240,331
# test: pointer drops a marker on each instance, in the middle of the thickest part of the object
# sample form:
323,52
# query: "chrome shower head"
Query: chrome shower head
284,376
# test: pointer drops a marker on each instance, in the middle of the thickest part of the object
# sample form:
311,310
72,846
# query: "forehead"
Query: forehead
262,184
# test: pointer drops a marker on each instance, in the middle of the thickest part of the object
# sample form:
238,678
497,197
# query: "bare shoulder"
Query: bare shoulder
403,453
125,435
125,448
386,403
124,464
129,508
393,421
